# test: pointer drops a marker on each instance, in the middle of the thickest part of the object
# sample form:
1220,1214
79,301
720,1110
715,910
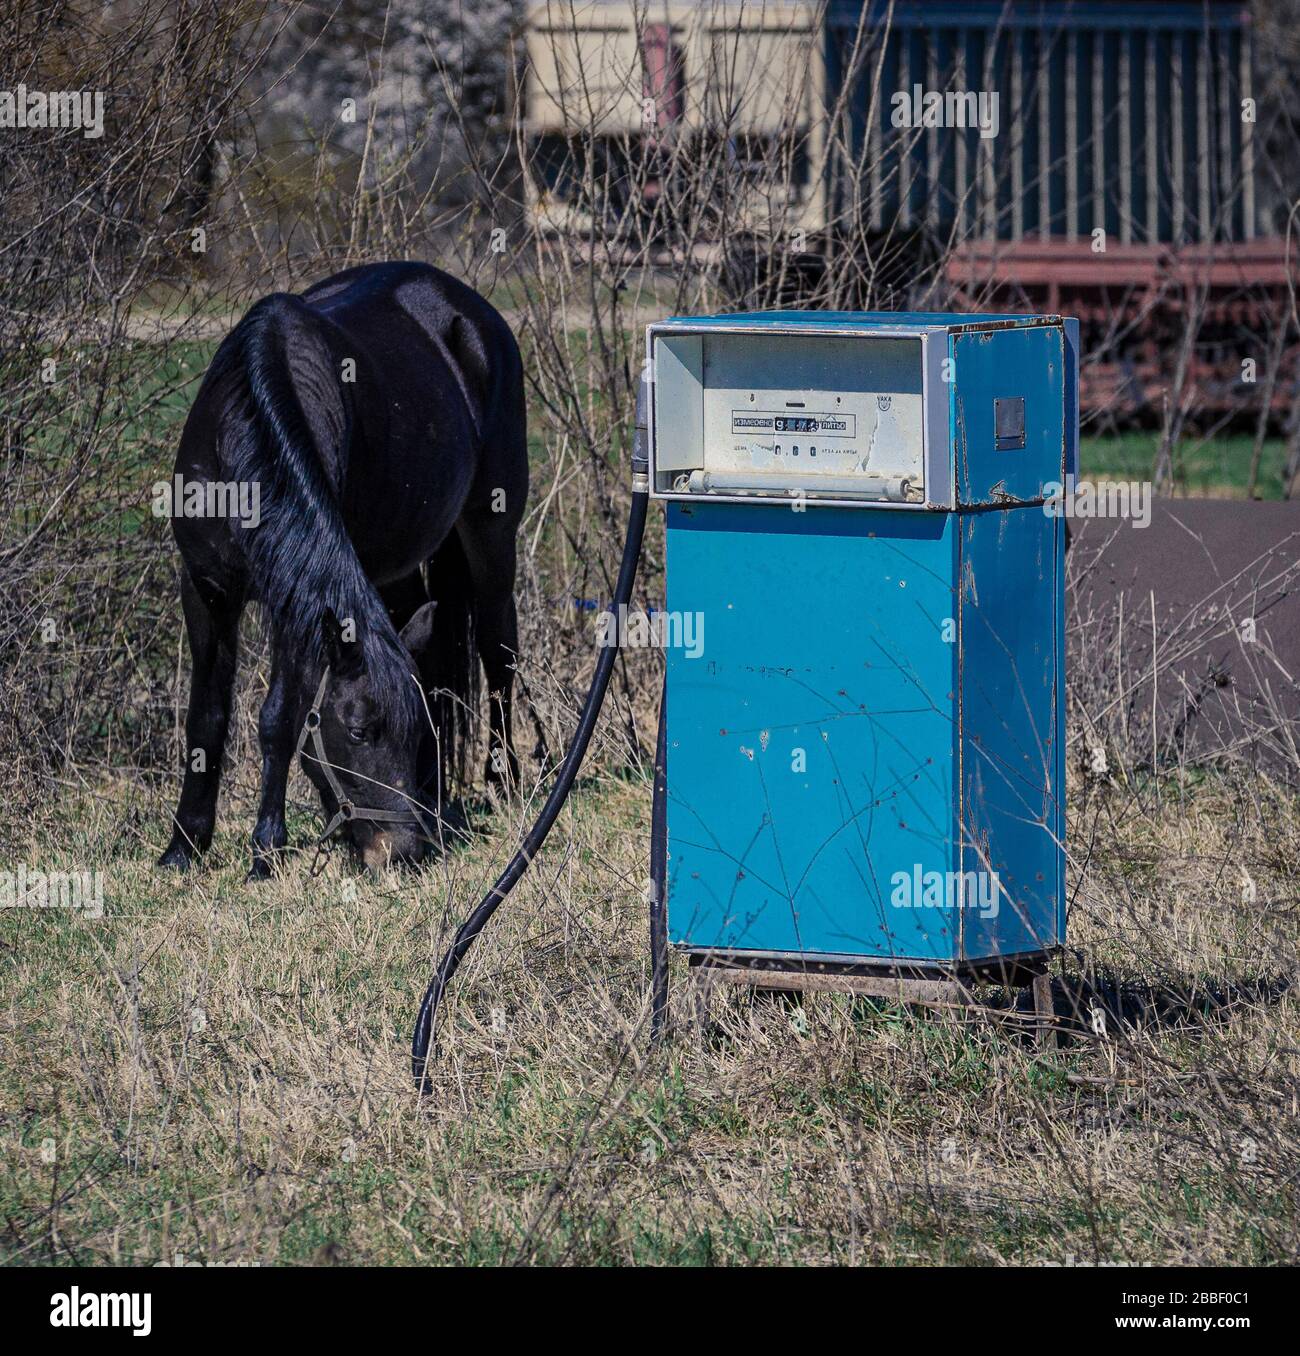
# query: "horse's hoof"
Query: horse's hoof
178,856
261,869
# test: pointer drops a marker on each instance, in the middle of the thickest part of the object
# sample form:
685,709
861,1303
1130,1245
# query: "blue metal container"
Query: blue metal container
865,734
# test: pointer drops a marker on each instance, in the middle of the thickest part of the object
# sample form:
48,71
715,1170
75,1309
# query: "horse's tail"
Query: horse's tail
301,557
452,667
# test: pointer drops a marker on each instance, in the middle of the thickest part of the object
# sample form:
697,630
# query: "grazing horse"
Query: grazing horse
379,419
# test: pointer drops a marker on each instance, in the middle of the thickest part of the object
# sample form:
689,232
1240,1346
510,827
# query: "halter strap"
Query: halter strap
347,808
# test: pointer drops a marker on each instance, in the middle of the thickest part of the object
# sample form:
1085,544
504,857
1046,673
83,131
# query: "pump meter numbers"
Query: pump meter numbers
768,421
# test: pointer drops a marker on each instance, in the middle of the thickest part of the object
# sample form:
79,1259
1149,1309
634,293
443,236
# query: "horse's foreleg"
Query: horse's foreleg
277,732
212,624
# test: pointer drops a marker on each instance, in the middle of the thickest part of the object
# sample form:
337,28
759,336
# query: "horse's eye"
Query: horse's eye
357,734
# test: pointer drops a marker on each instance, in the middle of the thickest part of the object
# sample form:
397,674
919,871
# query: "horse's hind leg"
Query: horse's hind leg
489,543
212,622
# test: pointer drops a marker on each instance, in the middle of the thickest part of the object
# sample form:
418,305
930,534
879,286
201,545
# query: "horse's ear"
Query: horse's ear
341,646
417,634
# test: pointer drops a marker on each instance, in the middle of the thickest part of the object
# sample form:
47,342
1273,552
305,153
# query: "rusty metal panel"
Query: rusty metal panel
1072,137
1177,155
1249,224
1204,221
1098,172
1150,161
1018,132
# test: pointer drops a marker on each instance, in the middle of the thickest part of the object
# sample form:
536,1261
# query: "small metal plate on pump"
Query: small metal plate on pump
1009,422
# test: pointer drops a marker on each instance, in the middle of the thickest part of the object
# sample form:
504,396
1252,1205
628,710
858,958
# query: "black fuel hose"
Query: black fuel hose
519,863
659,880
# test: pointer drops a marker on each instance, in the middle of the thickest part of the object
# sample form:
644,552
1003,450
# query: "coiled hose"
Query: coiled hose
519,863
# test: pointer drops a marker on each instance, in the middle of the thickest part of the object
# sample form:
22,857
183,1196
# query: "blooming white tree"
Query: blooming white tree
423,80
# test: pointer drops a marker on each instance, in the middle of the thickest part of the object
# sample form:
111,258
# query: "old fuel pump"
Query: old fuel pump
860,773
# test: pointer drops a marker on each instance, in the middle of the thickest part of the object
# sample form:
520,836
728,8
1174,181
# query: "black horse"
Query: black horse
380,417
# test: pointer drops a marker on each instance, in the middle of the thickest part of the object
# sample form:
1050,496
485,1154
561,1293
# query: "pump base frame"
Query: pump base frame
923,986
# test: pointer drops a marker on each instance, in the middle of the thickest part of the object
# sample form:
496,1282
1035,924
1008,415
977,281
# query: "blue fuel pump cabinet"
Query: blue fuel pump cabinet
865,615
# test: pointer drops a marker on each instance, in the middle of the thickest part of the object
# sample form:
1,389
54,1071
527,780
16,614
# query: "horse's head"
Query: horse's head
372,746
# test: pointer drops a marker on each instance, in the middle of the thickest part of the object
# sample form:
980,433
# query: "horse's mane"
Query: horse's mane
301,556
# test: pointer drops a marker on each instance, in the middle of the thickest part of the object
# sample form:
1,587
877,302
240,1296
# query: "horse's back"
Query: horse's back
456,320
407,387
439,297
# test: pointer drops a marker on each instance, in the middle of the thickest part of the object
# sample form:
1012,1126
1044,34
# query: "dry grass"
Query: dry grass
222,1068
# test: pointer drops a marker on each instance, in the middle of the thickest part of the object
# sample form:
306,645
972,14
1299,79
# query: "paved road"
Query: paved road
1222,579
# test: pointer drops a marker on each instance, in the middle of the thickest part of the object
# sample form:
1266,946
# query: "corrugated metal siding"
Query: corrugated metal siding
1126,117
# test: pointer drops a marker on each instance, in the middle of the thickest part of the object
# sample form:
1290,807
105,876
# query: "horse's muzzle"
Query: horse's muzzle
382,845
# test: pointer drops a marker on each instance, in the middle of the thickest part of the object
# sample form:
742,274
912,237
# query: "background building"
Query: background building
1124,176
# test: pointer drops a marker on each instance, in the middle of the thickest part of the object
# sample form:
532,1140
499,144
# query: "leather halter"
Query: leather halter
347,809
